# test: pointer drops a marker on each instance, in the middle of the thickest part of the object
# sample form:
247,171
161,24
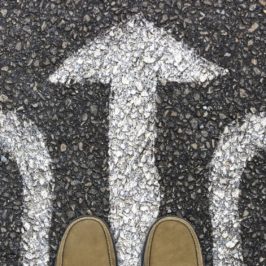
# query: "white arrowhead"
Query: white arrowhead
237,146
132,58
26,145
137,48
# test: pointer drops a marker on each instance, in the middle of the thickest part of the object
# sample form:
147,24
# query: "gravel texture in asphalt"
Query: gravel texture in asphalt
38,36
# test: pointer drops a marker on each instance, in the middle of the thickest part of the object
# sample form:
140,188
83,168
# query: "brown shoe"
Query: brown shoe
172,242
86,242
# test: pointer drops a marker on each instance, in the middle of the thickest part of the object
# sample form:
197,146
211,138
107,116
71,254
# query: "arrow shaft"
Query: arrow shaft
134,180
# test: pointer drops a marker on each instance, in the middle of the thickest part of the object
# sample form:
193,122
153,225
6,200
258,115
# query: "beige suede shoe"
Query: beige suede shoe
86,242
172,242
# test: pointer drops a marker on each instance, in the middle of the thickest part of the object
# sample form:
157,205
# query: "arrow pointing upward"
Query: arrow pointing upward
132,58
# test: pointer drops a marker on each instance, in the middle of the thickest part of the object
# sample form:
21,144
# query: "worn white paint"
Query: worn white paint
25,143
133,58
238,145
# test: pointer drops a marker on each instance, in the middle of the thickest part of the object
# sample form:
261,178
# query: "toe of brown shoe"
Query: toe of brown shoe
86,242
172,242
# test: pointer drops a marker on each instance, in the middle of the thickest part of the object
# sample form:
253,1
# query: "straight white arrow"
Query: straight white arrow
132,58
25,143
237,146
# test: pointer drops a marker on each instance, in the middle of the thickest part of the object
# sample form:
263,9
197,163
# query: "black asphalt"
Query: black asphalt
35,38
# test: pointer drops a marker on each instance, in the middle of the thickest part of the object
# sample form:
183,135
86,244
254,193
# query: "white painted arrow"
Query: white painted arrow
132,58
25,143
237,146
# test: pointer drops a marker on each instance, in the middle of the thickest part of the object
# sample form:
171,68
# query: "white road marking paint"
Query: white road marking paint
237,146
25,143
132,58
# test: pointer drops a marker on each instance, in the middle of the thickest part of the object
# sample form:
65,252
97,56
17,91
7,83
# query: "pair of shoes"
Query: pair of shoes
88,242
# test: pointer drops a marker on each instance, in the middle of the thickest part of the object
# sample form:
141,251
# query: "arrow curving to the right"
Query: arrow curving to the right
238,145
132,58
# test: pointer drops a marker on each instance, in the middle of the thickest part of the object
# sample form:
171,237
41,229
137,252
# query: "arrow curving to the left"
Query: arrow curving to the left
26,145
132,58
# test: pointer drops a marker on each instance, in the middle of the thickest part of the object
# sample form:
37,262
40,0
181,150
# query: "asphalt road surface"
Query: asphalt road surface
55,138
